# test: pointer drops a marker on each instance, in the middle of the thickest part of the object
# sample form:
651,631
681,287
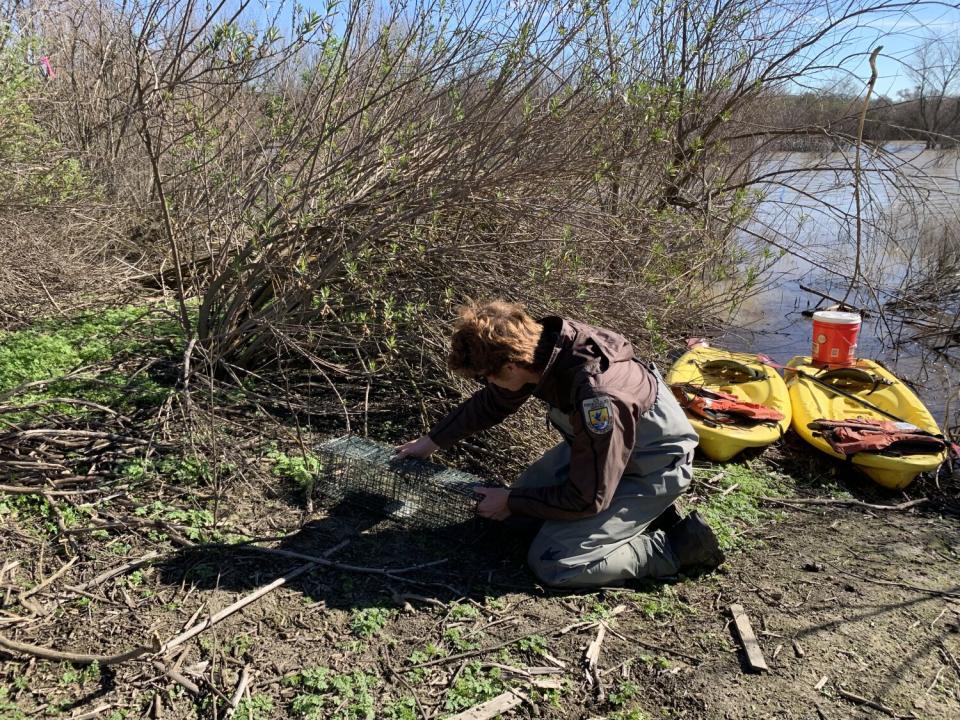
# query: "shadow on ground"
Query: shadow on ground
468,560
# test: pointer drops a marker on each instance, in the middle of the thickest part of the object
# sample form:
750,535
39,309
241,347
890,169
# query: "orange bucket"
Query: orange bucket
835,337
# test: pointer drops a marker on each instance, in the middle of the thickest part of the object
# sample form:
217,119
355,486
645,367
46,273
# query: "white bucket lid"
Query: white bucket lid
835,317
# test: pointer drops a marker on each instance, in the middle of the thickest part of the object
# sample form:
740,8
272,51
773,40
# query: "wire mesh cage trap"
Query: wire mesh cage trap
413,491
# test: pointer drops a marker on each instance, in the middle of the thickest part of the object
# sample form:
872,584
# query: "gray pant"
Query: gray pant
610,547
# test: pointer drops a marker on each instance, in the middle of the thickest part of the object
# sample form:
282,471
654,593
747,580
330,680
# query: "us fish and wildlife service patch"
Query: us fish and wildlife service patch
598,414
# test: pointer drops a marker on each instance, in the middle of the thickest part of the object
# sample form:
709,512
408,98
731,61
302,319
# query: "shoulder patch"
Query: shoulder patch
598,414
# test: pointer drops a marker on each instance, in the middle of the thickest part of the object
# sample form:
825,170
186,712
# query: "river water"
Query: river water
808,213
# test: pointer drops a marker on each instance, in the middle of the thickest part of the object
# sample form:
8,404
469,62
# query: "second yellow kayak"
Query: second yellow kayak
813,401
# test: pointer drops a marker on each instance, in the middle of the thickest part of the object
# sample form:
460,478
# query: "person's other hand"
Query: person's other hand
493,503
422,447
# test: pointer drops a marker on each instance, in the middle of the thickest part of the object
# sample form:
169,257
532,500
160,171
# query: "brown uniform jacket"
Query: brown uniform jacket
591,376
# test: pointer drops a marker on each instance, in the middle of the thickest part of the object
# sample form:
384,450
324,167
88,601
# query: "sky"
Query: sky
900,33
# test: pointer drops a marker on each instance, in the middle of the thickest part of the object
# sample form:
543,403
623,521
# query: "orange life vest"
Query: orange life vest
849,437
722,407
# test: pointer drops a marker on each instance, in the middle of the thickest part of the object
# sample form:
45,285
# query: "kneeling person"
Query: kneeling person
606,493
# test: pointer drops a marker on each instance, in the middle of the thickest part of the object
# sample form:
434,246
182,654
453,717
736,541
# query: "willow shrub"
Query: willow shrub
331,190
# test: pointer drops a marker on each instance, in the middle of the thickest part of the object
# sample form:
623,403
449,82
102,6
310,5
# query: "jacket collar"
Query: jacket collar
552,339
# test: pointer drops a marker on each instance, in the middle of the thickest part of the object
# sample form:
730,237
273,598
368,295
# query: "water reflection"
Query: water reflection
808,210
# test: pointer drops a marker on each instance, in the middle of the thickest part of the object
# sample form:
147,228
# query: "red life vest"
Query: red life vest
849,437
722,407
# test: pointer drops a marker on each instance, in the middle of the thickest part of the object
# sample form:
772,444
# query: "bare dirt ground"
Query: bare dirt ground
857,612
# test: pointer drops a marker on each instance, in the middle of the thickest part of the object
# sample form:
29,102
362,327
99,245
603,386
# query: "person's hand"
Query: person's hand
493,503
422,447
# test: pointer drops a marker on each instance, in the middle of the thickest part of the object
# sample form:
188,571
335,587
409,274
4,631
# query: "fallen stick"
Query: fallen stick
490,709
403,600
35,465
527,673
78,658
50,434
41,490
544,670
104,576
399,676
870,703
590,624
548,682
655,648
244,601
8,565
852,308
178,678
749,640
555,661
848,503
90,714
716,478
878,581
534,710
948,654
592,655
238,693
591,659
193,618
502,621
490,648
472,653
62,401
41,585
13,619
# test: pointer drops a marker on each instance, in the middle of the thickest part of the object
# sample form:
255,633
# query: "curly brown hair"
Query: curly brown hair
486,337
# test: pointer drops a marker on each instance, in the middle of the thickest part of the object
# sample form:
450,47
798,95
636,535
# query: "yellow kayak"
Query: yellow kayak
813,400
745,377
